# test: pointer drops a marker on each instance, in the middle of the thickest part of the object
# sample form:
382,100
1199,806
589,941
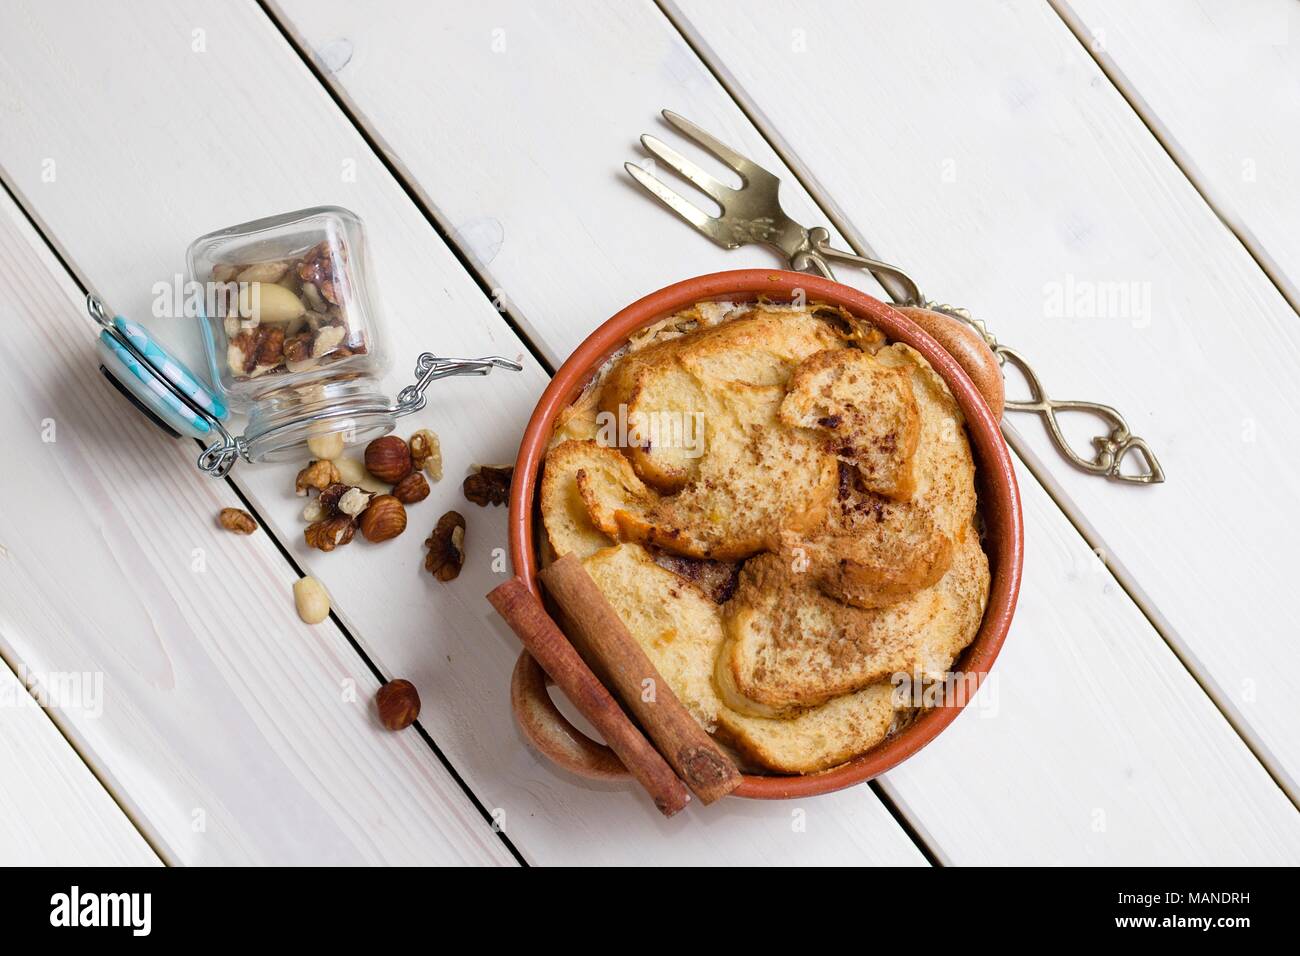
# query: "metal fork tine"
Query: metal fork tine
697,217
700,177
743,165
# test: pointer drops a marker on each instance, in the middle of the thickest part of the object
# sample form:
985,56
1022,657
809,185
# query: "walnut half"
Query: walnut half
489,485
446,547
330,533
318,474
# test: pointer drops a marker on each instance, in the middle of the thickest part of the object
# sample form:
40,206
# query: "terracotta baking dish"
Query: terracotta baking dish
542,722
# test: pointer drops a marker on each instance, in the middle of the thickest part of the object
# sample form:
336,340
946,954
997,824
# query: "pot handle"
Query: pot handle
968,347
541,721
551,733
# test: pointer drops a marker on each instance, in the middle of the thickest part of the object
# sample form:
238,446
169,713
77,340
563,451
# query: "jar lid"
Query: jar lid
157,380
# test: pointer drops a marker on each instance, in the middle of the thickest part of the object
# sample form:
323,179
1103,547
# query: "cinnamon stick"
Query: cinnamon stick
605,643
545,641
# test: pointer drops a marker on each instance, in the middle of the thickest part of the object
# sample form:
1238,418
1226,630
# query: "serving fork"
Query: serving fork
752,213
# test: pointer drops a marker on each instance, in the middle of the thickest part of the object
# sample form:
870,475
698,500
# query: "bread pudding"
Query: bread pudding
781,507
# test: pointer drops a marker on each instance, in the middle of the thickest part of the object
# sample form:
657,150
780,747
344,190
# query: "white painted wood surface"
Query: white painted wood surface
1083,637
983,149
528,176
510,121
174,178
1220,84
231,731
53,812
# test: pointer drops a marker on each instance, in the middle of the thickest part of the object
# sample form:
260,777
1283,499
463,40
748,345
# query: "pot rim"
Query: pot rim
999,503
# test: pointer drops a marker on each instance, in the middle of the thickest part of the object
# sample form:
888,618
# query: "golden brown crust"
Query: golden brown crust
790,646
566,510
649,389
829,508
681,632
872,552
757,481
865,413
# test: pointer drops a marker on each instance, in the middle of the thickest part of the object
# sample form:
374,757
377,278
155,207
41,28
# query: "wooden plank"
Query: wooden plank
240,130
1220,85
230,730
53,812
1092,746
544,174
985,151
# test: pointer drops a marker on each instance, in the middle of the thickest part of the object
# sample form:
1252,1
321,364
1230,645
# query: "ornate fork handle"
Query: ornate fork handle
1110,449
817,249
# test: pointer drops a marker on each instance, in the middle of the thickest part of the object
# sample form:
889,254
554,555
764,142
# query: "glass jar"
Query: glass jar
293,337
292,329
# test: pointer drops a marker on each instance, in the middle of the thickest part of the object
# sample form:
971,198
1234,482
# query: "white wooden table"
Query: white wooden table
1146,708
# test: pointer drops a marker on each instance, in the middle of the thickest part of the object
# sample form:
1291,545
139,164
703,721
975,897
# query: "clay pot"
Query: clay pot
999,499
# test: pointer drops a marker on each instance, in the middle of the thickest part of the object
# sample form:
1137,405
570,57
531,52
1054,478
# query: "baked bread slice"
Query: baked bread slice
944,466
680,630
727,514
577,521
757,480
761,348
673,621
866,412
664,409
815,739
790,646
872,552
665,390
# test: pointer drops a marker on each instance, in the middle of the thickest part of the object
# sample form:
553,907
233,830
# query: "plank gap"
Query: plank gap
19,671
387,158
1177,155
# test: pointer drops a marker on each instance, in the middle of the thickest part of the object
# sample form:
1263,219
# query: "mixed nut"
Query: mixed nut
287,315
489,485
311,600
398,703
237,520
356,500
370,495
446,547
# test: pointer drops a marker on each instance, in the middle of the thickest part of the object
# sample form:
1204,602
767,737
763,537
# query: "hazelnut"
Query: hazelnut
411,489
489,485
318,474
239,521
399,704
388,459
330,533
446,547
384,519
